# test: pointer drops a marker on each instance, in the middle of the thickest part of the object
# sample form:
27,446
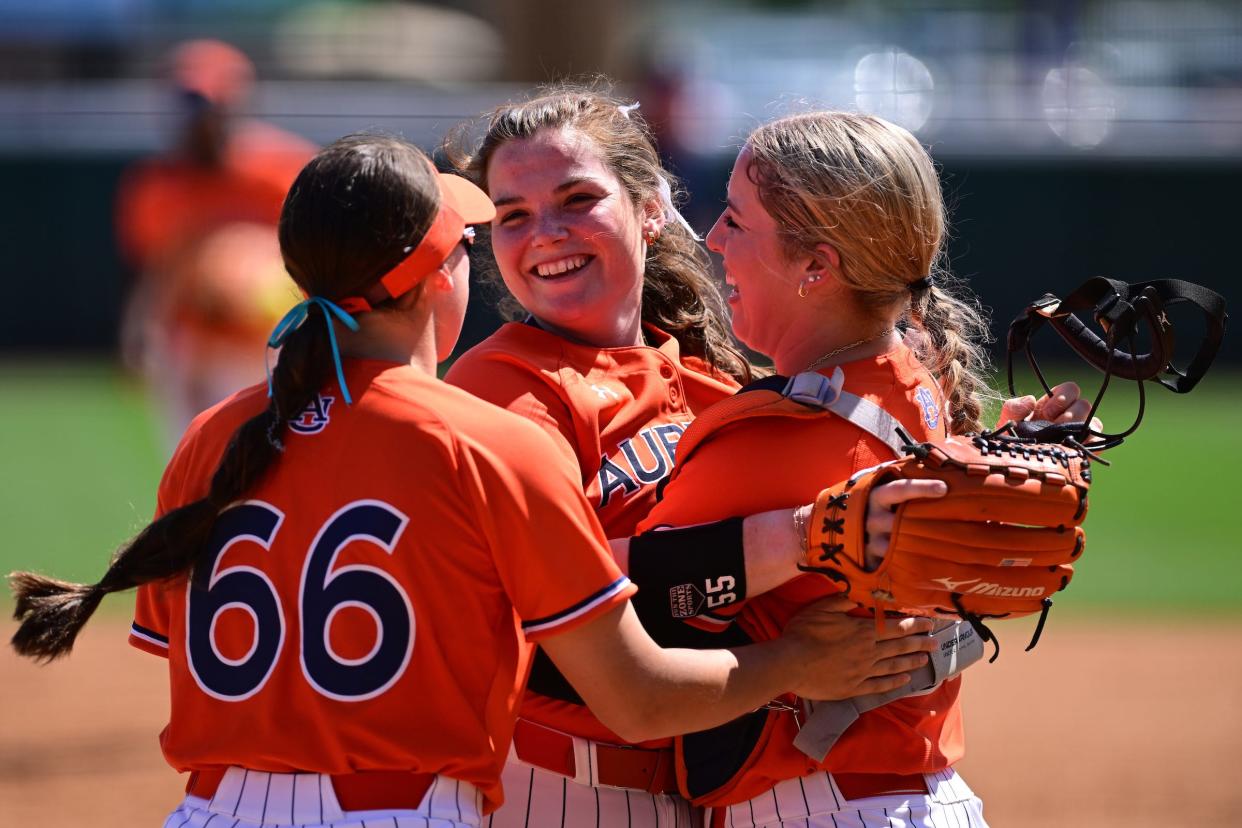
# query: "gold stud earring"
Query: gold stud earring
650,236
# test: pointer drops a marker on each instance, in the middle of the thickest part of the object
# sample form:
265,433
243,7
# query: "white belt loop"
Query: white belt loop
586,764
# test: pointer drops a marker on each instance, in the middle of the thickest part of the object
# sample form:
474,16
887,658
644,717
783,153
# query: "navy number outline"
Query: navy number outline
242,587
330,674
321,594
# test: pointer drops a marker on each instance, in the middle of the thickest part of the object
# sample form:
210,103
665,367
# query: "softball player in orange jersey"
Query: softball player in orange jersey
342,574
622,343
832,236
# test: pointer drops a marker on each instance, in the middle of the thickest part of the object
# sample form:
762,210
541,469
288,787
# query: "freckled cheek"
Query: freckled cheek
506,250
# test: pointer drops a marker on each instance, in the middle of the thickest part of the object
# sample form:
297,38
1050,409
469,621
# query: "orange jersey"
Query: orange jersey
369,605
616,415
164,203
754,465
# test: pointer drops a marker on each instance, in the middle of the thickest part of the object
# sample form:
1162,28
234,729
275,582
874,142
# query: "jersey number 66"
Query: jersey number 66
322,593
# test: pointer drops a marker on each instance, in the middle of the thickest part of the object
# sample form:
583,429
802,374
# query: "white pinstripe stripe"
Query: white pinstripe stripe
951,805
582,805
443,811
251,783
280,798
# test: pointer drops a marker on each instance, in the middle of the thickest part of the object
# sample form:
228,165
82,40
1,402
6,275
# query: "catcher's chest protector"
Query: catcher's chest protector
710,764
804,396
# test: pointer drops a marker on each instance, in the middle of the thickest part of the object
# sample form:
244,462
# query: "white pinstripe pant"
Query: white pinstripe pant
255,799
538,798
815,801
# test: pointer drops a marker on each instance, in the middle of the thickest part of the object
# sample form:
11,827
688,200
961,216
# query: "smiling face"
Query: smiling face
568,238
763,283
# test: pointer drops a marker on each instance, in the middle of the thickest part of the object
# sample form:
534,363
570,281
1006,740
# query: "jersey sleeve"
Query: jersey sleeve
519,389
149,629
549,549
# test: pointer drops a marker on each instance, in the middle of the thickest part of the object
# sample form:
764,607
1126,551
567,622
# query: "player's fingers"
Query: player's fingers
881,684
899,664
899,491
1016,410
1076,412
1098,427
911,645
880,521
876,549
1051,406
831,604
912,627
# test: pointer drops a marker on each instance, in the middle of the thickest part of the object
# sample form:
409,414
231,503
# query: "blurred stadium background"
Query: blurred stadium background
1076,138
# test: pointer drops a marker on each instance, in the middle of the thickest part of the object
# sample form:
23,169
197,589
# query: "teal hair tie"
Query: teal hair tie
294,319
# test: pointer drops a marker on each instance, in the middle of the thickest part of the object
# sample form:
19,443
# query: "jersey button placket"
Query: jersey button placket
674,384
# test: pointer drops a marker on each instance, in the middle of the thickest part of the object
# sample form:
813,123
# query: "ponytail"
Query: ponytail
680,298
955,331
353,213
52,612
868,188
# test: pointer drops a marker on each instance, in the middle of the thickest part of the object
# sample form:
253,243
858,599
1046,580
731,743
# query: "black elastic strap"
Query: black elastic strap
676,571
1121,310
689,571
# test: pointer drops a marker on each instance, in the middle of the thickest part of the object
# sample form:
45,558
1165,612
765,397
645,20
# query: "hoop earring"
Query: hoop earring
809,280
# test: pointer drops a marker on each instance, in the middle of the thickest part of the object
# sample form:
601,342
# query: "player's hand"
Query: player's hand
842,656
882,508
1064,405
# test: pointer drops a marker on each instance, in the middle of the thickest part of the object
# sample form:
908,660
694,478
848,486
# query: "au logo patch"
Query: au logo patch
931,411
314,418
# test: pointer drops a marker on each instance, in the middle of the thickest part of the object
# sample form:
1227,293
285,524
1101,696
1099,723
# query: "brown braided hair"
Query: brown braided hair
344,224
868,188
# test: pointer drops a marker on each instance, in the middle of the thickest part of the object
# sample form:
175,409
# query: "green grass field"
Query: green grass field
81,461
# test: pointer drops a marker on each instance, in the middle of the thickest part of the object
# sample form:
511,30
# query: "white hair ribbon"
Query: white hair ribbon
671,213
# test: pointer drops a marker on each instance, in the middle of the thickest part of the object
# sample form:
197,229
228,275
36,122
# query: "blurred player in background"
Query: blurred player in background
197,225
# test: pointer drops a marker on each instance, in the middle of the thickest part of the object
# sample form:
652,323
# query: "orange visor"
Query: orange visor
461,204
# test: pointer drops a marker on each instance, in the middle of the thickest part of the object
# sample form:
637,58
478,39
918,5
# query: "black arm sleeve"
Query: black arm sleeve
685,572
680,573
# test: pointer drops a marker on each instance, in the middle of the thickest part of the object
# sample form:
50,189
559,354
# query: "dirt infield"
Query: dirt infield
1100,725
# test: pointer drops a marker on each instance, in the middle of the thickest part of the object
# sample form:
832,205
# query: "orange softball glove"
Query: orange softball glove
998,544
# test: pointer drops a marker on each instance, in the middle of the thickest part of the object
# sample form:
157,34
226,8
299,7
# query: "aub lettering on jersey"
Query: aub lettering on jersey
642,460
